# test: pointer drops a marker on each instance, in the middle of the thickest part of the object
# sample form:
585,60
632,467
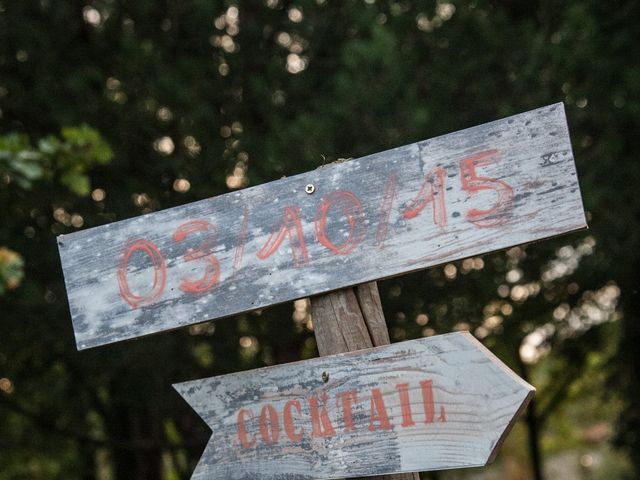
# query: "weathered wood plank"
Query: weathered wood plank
467,193
368,313
428,404
338,323
371,307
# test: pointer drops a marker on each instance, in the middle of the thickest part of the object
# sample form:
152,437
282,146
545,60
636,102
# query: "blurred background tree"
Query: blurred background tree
190,99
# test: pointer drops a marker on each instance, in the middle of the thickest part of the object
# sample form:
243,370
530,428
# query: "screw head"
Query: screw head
310,188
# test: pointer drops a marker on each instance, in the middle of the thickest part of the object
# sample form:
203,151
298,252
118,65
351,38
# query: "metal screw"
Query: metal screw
325,377
310,188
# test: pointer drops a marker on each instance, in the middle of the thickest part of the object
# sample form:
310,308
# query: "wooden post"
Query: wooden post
352,319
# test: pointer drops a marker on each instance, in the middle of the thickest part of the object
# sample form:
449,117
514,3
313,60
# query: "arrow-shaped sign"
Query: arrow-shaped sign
428,404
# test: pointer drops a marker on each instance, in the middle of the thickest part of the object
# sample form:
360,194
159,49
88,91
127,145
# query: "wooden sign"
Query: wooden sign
430,404
467,193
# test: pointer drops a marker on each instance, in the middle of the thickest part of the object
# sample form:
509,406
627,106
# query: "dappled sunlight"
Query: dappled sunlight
181,185
567,260
98,195
593,308
444,12
92,16
164,145
6,385
302,315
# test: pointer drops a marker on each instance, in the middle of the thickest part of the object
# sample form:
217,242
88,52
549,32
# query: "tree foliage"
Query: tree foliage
194,98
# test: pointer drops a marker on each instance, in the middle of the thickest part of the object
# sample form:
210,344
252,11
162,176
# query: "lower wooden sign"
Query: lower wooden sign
429,404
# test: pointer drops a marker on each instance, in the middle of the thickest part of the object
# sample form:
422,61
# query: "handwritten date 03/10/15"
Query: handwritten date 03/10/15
432,193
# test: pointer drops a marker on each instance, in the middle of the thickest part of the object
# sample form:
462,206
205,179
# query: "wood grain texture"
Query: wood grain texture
467,193
459,400
338,323
371,307
368,314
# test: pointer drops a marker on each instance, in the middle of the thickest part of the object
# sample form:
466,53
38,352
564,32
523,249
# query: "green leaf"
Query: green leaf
25,164
49,145
11,269
76,182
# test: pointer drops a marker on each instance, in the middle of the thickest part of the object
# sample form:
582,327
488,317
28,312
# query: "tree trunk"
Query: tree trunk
534,432
137,462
